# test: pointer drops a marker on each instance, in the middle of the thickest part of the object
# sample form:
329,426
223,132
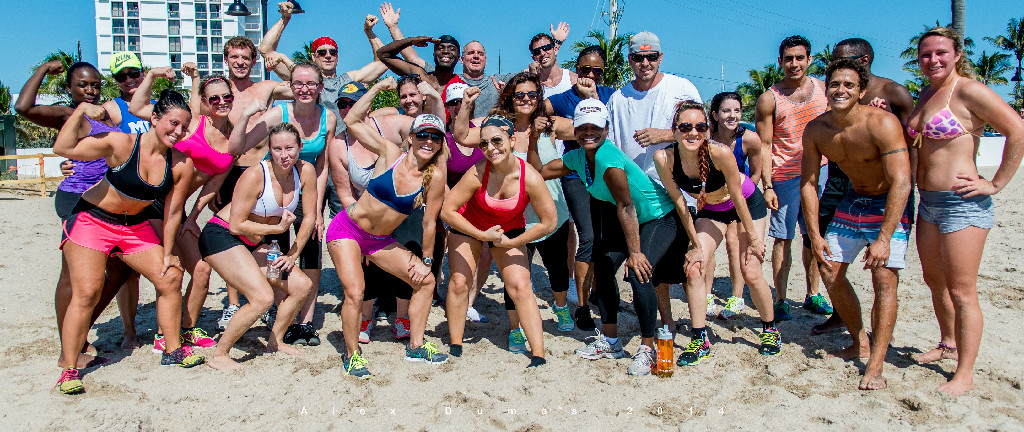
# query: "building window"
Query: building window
133,44
117,26
216,44
215,28
200,28
200,11
118,43
172,10
201,45
174,44
218,62
214,11
175,61
133,9
133,26
117,10
173,27
203,61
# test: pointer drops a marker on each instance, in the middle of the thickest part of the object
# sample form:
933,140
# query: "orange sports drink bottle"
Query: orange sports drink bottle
664,365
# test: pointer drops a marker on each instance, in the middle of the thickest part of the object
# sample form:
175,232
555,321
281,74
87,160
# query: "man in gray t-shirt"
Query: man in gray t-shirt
474,61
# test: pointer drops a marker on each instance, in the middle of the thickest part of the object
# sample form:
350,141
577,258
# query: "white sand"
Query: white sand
490,389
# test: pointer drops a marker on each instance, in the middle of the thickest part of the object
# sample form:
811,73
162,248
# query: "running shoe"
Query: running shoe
697,350
402,328
268,317
771,342
355,366
197,337
817,304
473,315
225,317
294,335
364,331
309,334
565,323
70,383
517,342
782,311
583,319
158,343
642,361
600,348
183,356
426,353
711,306
733,307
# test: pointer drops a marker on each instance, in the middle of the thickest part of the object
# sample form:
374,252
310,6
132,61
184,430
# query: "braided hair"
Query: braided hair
428,171
703,152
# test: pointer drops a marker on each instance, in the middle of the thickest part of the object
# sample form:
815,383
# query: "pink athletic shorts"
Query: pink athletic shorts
343,227
89,231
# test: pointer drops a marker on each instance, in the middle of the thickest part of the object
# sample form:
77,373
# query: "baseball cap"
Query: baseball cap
590,111
449,39
644,41
353,90
454,91
426,121
124,59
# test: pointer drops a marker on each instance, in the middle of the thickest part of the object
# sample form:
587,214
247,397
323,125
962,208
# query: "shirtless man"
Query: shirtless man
868,143
439,75
882,93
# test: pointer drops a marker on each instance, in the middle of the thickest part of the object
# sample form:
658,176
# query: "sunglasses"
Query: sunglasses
495,142
427,135
123,75
324,52
542,48
587,70
526,95
216,100
345,103
686,127
639,58
454,102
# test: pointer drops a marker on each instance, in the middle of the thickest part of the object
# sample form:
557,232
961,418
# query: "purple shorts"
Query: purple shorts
343,227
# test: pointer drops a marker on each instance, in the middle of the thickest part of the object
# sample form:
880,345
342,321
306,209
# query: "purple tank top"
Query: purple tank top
88,173
457,162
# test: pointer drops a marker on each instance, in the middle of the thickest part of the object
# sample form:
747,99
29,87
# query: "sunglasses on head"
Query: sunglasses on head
542,48
214,100
124,74
526,95
345,103
587,70
686,127
428,135
324,52
639,58
454,102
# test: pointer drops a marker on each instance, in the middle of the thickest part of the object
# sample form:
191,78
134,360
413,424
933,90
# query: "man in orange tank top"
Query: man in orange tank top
782,113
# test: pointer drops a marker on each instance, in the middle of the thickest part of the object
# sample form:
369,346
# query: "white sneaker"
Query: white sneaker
473,315
711,306
642,361
733,307
600,348
225,317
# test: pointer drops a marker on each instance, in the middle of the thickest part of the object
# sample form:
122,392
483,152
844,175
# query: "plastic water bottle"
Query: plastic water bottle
664,364
273,254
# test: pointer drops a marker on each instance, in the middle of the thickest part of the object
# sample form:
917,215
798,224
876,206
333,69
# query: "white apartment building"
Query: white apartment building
173,32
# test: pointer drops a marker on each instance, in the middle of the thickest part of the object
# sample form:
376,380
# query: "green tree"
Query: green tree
56,85
760,81
1013,42
819,62
616,70
989,69
5,99
306,54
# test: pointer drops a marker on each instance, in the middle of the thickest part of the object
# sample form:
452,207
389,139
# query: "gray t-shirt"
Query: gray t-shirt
488,93
329,95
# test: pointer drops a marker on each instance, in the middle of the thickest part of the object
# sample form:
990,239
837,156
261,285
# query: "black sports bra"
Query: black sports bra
715,180
127,180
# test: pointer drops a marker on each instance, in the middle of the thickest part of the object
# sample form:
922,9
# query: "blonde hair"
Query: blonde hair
428,171
963,68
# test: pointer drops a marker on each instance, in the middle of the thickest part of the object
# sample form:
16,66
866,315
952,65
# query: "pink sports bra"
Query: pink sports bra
943,125
204,157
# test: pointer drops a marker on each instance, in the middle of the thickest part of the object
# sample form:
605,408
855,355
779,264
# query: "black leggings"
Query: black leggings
555,254
578,200
656,238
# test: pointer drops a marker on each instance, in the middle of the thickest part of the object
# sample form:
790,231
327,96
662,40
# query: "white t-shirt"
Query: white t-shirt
632,110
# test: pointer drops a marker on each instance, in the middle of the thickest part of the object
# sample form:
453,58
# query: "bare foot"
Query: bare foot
284,348
851,352
223,362
89,349
832,324
129,343
936,355
84,361
872,382
957,387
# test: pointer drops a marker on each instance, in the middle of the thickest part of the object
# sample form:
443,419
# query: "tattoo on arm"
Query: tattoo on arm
892,152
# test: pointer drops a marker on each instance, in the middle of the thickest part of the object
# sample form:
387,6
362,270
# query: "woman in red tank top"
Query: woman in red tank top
487,205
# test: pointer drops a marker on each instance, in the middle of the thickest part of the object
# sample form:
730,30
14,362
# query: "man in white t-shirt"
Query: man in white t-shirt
642,109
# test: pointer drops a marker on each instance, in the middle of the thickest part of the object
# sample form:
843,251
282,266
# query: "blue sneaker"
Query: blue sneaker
517,342
817,304
427,352
565,323
782,311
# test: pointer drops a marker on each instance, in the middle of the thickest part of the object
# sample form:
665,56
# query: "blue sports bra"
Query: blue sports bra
383,188
313,147
741,156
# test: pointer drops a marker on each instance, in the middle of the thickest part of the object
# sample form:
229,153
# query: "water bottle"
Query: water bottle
273,254
664,365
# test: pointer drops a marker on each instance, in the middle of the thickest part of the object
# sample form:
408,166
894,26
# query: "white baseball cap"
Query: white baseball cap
426,121
590,111
454,91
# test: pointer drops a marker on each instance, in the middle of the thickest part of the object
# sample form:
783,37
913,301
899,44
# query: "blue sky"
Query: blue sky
699,37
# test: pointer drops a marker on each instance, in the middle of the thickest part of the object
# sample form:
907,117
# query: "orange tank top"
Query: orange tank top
791,119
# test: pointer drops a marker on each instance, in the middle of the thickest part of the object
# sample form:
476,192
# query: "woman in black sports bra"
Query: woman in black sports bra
109,221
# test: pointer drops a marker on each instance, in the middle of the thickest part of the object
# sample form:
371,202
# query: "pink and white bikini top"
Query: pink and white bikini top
943,125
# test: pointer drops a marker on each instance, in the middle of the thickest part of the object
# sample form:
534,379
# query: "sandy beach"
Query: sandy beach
490,389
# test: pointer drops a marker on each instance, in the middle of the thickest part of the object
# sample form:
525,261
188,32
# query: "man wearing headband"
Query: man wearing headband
439,75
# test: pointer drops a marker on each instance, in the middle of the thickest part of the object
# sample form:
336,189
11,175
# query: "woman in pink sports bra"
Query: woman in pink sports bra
955,213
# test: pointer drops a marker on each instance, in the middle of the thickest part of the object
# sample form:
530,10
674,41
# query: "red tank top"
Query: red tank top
483,216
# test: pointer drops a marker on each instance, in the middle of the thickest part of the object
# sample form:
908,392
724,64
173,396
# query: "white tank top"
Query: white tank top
266,205
563,85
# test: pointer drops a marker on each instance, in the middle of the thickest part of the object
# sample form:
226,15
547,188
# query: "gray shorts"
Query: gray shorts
950,212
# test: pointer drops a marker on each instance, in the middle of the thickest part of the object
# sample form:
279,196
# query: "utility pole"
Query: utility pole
614,14
723,77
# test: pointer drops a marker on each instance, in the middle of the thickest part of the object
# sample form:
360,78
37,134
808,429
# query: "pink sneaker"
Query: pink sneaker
402,328
197,337
158,343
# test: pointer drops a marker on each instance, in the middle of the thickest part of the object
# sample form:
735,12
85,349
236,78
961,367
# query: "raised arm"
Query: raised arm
50,116
764,119
269,42
461,131
89,148
195,97
390,17
389,55
357,127
243,139
433,103
141,105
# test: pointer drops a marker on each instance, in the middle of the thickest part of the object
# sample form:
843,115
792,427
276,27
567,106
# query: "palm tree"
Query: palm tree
959,10
1013,41
760,81
989,69
5,99
820,62
56,84
305,55
616,70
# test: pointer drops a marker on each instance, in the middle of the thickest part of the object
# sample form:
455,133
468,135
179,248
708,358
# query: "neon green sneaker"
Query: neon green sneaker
426,353
565,323
70,383
355,366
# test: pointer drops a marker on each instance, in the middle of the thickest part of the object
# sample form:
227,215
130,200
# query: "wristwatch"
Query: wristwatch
428,261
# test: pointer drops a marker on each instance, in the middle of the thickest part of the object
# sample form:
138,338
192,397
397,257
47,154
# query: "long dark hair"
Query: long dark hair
716,104
506,100
169,100
703,152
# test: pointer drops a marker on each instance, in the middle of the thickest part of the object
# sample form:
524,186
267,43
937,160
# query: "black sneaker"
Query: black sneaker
583,320
310,334
294,335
